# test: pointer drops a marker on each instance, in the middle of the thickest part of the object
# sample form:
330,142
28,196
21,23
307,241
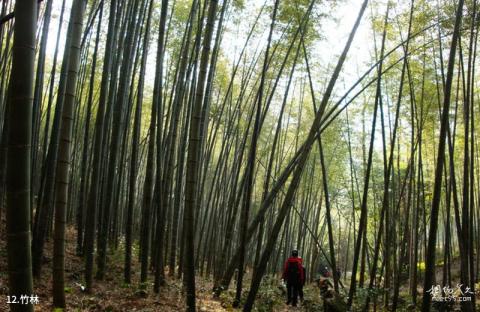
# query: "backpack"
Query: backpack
293,272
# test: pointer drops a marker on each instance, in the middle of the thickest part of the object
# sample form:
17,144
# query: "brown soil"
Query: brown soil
112,294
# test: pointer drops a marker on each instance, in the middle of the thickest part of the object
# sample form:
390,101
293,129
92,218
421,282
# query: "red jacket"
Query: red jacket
299,262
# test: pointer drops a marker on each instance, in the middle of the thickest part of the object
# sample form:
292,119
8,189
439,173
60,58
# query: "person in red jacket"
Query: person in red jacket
294,277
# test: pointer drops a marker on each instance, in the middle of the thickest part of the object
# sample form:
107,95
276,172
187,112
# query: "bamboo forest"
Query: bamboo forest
239,155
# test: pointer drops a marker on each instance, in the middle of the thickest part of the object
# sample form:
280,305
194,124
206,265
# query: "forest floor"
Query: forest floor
114,295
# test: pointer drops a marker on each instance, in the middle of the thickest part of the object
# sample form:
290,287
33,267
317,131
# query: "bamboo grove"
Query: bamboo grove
206,139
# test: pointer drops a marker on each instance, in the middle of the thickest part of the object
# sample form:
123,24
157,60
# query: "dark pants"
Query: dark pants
292,293
300,292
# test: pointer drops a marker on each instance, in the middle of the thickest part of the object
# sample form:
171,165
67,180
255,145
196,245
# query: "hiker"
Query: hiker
294,277
332,301
324,271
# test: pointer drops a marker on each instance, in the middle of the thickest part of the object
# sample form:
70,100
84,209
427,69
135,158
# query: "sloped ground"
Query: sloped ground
114,295
109,295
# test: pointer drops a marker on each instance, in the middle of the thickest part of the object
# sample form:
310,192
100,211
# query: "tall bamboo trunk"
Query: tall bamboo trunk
20,100
432,237
191,187
63,164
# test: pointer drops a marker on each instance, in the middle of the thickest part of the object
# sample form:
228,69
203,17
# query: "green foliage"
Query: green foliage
143,286
269,295
363,293
421,266
238,4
